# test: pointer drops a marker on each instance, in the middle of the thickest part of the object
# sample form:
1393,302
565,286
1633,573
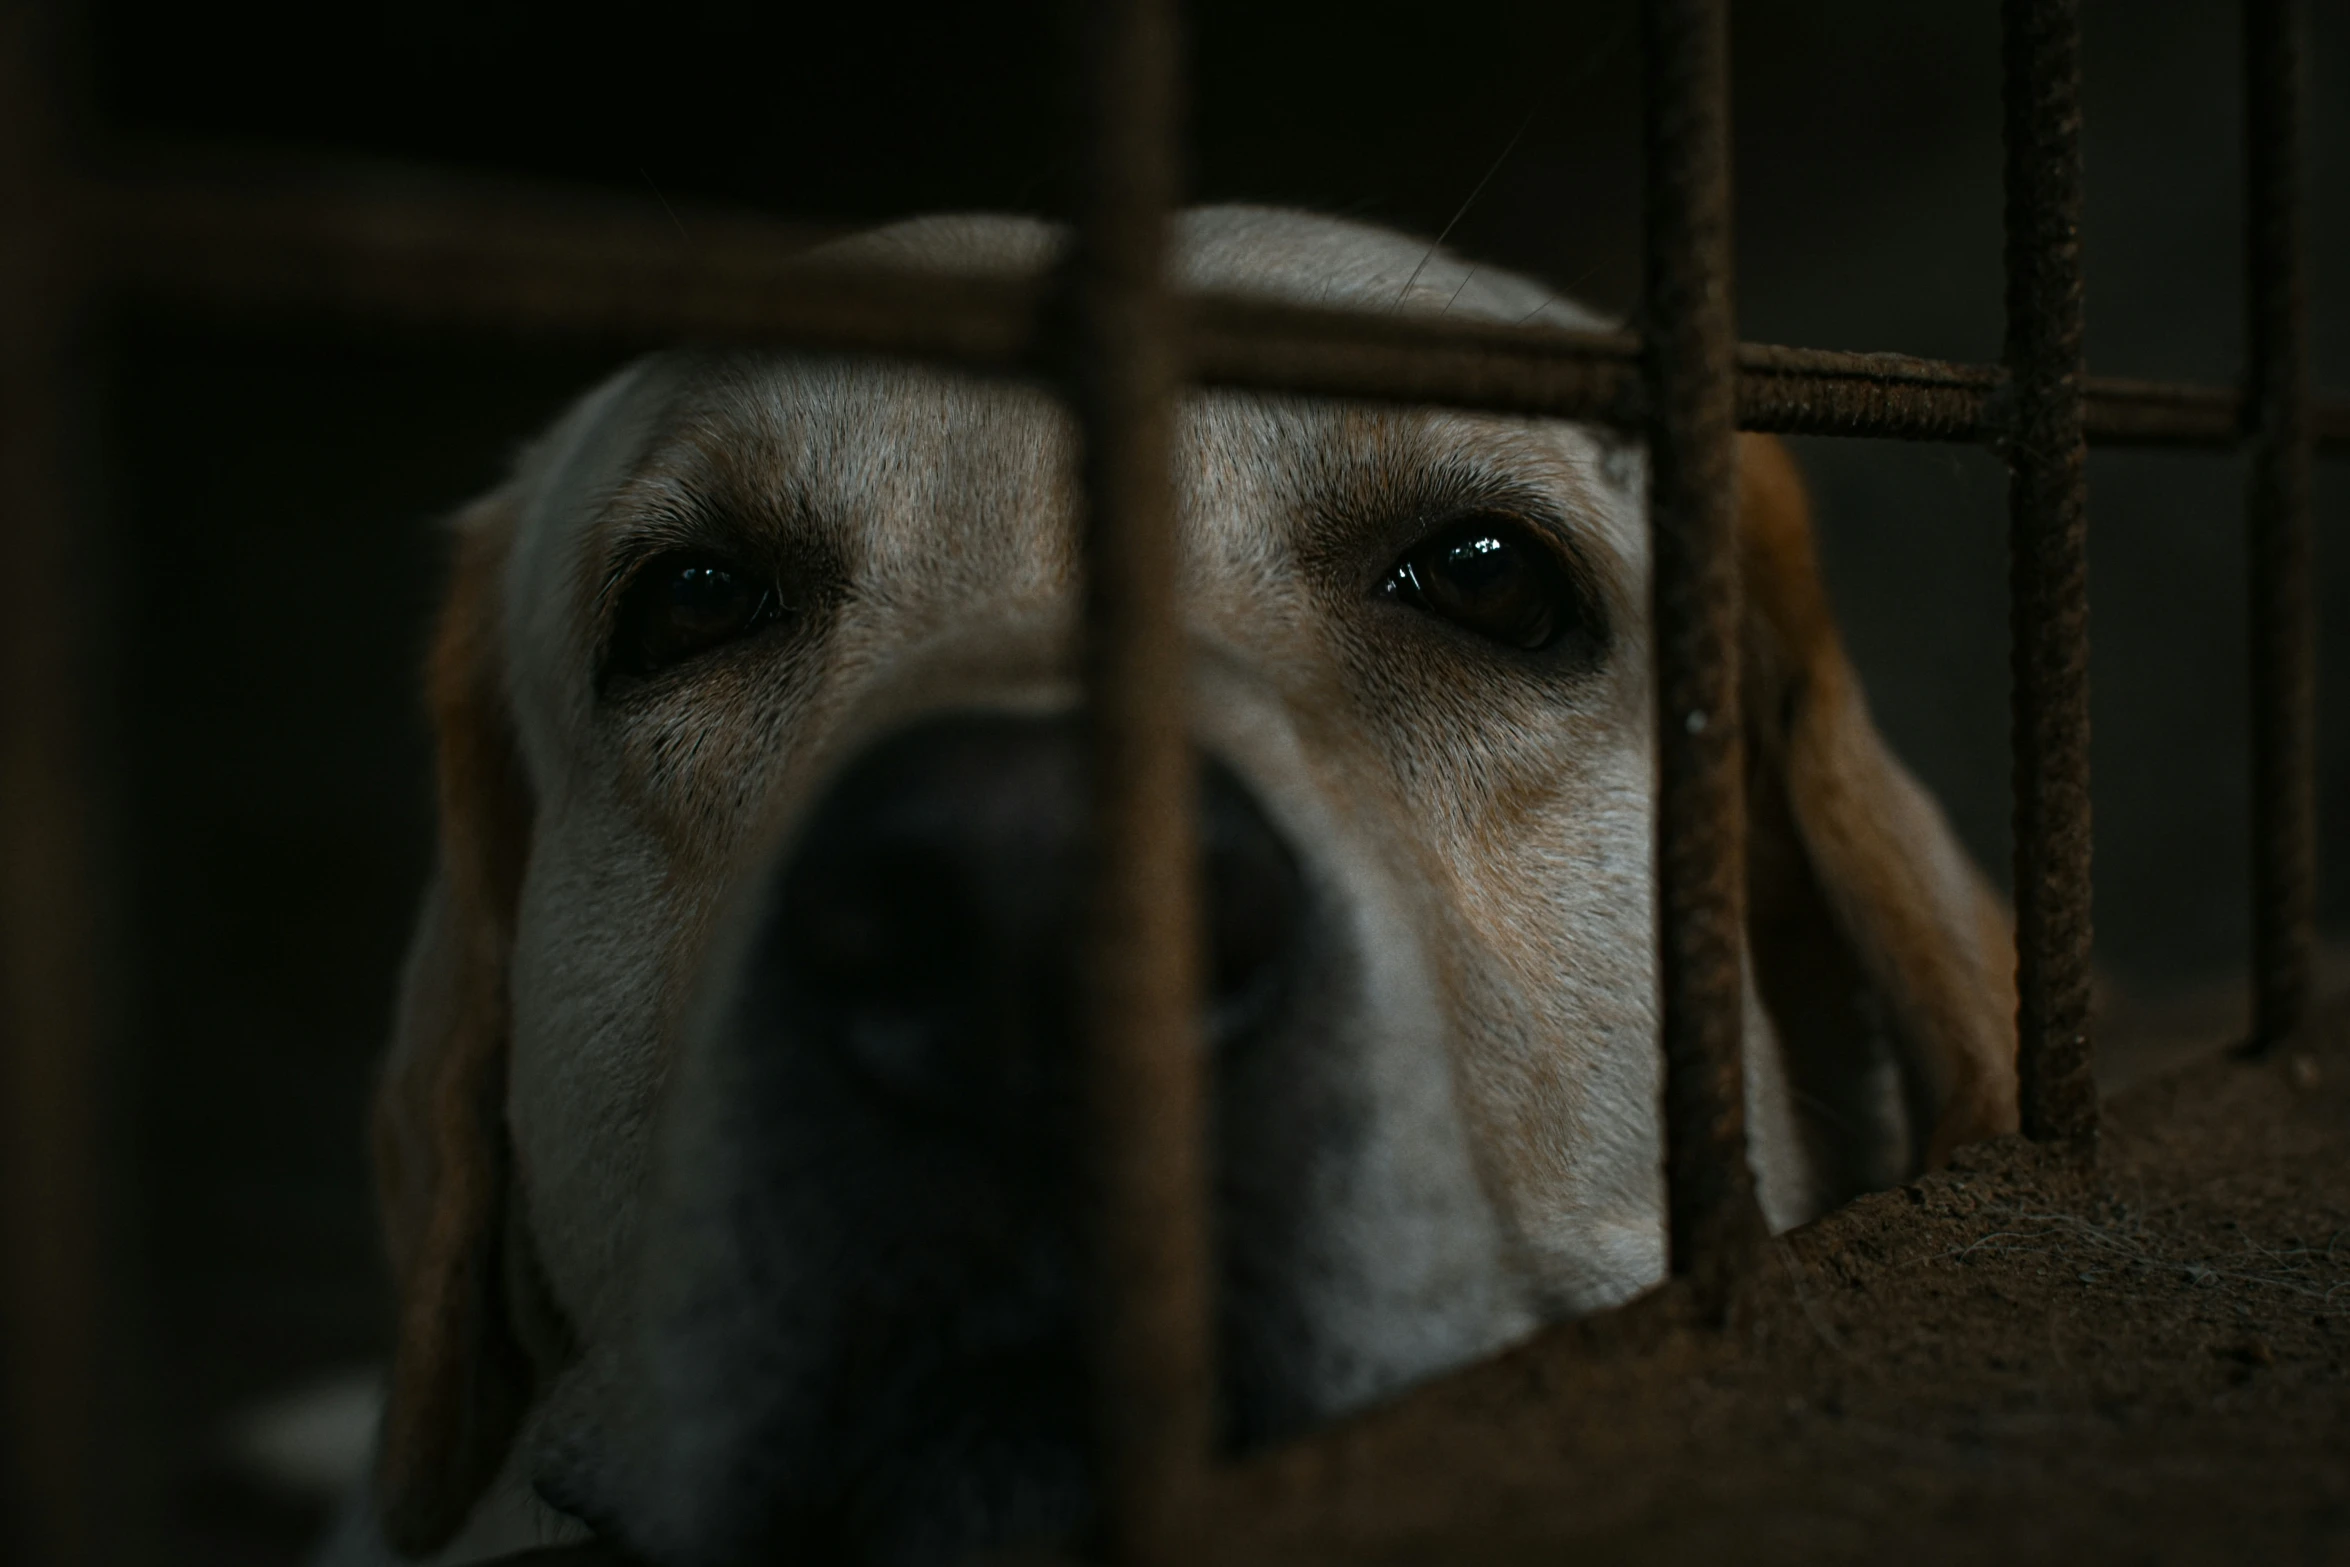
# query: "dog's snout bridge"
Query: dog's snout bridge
927,916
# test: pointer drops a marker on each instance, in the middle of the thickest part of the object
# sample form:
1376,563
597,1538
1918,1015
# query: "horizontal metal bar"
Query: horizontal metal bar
481,256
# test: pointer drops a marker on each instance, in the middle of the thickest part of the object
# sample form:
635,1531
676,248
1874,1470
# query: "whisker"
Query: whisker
1456,293
664,201
1462,211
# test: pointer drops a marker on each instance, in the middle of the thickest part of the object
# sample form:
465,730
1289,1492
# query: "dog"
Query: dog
724,1139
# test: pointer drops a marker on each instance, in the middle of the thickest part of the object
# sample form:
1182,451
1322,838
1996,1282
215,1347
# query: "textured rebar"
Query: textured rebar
1691,374
2283,618
363,243
2047,455
65,1471
1145,1066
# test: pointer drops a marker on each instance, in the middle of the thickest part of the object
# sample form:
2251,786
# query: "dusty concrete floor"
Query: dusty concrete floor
2012,1359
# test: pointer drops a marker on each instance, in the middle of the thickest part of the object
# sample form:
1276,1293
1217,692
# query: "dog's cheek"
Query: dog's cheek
1553,971
590,1001
1362,1248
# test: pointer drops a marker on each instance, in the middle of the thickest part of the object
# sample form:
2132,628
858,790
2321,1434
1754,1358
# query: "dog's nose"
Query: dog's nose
931,914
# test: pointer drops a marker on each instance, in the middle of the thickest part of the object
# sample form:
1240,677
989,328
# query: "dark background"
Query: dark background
273,491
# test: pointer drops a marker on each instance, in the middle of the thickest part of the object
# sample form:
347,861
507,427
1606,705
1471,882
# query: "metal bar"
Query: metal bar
1691,377
389,246
58,1502
398,245
2047,454
1146,1070
2283,599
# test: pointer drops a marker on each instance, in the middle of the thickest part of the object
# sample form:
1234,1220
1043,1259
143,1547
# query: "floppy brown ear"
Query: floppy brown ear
459,1378
1884,958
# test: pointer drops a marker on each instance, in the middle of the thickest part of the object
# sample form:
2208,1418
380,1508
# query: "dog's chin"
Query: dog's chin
973,1457
963,1495
934,1470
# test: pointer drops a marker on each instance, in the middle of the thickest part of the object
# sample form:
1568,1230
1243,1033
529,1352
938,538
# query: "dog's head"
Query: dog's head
725,1141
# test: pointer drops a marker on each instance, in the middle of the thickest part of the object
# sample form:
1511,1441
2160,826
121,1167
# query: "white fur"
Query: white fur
1488,833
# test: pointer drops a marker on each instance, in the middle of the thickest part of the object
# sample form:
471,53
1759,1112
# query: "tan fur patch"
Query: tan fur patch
1869,927
459,1383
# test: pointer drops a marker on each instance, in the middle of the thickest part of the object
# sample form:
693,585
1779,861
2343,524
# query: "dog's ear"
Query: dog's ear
459,1377
1876,942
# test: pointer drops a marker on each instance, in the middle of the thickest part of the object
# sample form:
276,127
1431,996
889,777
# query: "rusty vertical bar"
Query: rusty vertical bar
2048,567
2277,402
1145,1103
52,1217
1690,344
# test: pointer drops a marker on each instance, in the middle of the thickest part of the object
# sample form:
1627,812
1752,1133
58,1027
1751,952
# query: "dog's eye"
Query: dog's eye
684,603
1488,575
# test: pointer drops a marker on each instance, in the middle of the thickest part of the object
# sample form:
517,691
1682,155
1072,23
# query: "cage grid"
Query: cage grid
243,236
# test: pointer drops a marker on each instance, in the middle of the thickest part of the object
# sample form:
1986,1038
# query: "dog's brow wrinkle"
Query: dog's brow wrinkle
1400,484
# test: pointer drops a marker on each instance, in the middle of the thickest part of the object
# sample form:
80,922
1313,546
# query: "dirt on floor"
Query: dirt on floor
2013,1359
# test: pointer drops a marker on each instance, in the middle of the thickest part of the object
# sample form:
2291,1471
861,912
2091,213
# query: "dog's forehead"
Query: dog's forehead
970,479
1311,259
1268,252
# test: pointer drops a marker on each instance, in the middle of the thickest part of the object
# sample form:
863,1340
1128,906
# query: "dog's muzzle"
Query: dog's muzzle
868,1277
931,921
